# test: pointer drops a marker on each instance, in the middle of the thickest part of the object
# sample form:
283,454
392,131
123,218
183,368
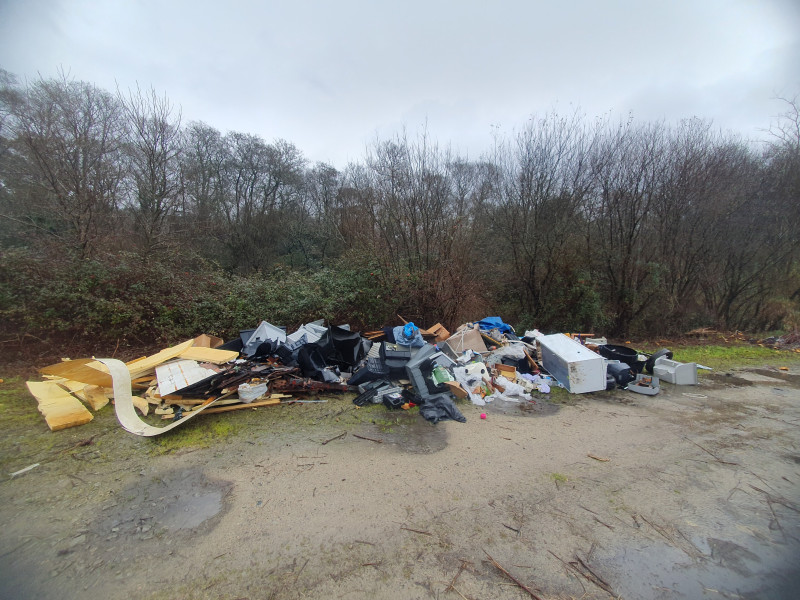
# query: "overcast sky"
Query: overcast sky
330,76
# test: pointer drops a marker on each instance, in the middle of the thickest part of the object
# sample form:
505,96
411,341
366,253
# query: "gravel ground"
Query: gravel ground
693,493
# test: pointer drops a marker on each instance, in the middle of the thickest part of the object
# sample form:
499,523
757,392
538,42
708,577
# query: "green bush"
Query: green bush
122,297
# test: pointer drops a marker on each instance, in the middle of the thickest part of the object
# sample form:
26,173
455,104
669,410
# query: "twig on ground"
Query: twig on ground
595,578
362,437
512,578
417,531
341,435
603,524
598,458
301,570
658,529
714,456
568,567
455,578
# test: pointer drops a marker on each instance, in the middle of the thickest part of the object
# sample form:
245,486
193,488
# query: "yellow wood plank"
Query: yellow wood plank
95,396
60,409
242,406
211,355
142,365
84,370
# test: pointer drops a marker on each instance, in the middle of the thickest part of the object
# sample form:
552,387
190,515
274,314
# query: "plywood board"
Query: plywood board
85,370
60,409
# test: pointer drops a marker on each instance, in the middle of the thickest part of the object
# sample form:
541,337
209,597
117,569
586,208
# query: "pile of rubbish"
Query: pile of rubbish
789,341
401,367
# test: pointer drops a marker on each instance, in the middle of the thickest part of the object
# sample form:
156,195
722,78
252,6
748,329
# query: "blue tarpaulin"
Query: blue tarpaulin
490,323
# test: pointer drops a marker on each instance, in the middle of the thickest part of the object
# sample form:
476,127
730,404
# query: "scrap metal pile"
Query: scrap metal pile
400,367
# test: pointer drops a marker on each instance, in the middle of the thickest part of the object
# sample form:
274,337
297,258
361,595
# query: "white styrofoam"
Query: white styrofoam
572,364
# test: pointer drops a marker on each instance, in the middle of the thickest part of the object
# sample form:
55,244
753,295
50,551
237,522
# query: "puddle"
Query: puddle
174,501
793,457
790,378
415,435
759,377
729,379
535,408
729,570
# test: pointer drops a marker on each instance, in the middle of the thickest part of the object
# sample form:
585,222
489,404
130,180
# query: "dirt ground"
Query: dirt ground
698,498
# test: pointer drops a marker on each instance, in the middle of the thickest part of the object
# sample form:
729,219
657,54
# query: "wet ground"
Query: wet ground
694,493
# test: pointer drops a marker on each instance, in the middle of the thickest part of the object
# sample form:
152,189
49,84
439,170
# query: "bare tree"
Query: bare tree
544,177
69,133
628,167
153,148
261,182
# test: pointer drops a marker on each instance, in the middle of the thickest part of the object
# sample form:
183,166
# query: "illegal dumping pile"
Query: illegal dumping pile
401,367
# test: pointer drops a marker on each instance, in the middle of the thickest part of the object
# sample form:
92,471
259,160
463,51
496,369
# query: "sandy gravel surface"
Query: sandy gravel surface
698,498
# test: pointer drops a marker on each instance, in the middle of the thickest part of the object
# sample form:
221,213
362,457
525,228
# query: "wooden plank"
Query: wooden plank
142,365
195,401
85,370
93,395
507,371
59,408
242,406
456,389
210,355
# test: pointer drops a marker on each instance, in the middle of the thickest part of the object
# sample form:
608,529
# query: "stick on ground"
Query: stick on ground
512,578
341,435
361,437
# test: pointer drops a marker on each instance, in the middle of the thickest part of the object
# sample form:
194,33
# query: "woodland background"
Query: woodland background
121,221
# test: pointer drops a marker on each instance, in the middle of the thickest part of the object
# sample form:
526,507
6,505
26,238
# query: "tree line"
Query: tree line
567,224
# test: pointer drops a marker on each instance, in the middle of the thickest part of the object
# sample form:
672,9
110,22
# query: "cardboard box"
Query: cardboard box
466,339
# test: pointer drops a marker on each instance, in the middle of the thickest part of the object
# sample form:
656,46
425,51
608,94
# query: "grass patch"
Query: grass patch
17,405
727,357
559,395
201,432
558,477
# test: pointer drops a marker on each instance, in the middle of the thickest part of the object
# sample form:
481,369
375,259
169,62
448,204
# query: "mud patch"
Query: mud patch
533,408
729,379
789,378
731,555
177,501
417,436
